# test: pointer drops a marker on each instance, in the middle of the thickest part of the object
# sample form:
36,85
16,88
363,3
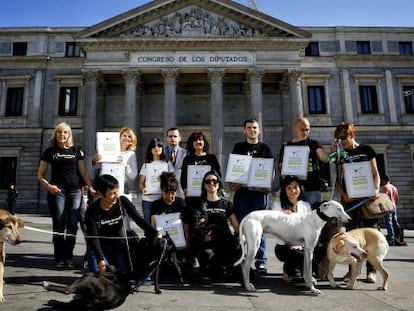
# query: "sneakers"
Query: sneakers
371,277
261,268
69,264
60,264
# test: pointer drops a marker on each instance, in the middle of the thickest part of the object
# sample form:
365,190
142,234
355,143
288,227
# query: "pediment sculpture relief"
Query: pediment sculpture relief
192,22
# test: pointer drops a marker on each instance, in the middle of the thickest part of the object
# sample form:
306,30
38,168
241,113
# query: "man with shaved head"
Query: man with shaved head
301,129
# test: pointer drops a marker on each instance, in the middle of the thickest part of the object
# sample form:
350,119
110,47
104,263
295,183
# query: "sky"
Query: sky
74,13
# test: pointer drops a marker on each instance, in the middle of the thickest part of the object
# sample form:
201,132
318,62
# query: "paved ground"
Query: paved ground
31,263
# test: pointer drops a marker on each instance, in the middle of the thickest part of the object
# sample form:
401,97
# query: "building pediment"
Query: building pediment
192,19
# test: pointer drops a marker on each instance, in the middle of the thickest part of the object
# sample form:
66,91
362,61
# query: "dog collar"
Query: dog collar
322,215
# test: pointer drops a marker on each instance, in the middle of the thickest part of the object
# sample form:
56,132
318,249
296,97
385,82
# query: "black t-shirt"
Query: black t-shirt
192,159
110,224
358,154
259,150
218,212
64,165
312,182
159,207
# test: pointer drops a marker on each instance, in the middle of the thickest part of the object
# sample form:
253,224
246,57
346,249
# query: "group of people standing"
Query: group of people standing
205,217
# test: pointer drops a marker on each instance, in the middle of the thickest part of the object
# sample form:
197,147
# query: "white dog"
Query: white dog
293,229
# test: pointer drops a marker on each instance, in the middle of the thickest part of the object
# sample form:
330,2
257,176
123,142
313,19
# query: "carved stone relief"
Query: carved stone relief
192,21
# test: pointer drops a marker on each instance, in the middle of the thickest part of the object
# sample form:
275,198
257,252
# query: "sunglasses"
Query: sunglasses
343,137
157,145
211,181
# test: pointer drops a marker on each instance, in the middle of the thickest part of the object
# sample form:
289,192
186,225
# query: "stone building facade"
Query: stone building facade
207,65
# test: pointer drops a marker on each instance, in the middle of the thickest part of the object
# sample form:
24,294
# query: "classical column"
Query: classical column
296,93
217,119
284,87
37,98
254,76
89,116
347,94
170,96
130,106
390,97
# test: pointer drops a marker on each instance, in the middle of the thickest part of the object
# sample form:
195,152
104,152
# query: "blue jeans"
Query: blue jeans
65,210
391,222
114,254
246,201
312,197
146,210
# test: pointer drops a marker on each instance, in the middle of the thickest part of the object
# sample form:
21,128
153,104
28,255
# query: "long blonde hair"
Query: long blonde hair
62,125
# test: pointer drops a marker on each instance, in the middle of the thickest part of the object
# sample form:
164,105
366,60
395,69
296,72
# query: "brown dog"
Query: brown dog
9,233
354,248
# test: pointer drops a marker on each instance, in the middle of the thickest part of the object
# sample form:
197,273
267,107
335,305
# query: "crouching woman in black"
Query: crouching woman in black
218,246
106,230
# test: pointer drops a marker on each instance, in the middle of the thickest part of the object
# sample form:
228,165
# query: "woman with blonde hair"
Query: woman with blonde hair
64,195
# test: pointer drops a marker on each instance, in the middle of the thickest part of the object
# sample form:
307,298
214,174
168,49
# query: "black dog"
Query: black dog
149,256
93,292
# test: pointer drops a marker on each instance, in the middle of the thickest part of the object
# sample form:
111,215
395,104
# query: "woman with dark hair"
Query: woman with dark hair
106,229
217,246
169,202
197,154
291,194
155,154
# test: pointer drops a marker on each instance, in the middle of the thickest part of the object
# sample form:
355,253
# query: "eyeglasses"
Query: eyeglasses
343,137
211,181
157,146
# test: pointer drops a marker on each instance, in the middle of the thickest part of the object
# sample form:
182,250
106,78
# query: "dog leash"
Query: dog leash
359,204
73,235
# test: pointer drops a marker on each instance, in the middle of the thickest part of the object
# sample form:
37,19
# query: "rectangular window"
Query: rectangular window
316,99
68,101
19,48
8,171
363,48
72,50
312,49
405,48
369,100
408,92
14,102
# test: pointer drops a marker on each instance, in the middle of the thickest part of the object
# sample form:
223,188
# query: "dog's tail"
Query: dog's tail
242,242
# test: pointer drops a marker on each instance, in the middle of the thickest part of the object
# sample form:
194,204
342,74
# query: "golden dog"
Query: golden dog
354,248
9,233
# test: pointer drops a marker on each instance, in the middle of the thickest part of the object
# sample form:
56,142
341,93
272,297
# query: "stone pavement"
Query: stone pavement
31,263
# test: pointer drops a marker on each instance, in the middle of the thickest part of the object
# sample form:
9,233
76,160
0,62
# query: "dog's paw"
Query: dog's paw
45,284
2,298
381,288
158,291
333,285
251,287
315,291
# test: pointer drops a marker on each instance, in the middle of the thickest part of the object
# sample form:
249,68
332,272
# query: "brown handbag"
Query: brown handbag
379,207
